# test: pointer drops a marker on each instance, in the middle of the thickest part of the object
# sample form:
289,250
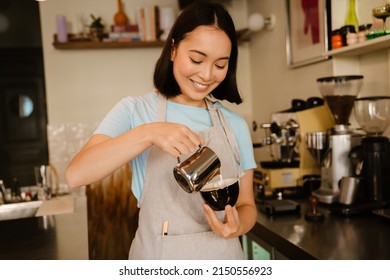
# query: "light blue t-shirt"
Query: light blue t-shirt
133,111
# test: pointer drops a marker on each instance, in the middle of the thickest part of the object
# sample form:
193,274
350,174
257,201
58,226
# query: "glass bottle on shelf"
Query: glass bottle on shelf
120,18
351,18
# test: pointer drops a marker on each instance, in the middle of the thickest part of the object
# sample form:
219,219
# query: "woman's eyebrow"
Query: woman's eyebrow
202,53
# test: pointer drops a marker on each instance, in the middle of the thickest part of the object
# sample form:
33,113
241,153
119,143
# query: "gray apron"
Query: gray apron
189,234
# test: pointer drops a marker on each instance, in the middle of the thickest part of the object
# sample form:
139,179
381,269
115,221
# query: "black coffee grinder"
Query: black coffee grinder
372,157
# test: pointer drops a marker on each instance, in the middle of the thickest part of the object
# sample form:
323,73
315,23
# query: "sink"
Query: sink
19,210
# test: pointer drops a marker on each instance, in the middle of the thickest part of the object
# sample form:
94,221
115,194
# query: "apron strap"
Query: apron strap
218,118
161,107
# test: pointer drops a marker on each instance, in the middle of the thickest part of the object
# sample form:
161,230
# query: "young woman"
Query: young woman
198,63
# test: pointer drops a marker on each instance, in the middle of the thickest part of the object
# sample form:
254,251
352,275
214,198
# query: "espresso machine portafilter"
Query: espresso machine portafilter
281,140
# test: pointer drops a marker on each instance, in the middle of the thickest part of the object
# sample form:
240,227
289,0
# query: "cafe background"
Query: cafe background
82,85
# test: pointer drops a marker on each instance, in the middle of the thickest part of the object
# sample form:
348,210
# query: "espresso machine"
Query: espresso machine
290,159
339,93
372,157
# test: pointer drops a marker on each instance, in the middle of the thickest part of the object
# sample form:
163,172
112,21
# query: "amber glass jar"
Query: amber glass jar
337,39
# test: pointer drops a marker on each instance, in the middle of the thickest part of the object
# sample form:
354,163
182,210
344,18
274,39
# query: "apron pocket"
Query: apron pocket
197,246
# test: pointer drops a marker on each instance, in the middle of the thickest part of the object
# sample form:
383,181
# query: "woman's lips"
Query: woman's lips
199,85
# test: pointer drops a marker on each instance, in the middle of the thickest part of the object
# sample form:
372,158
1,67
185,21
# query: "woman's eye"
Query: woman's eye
195,61
220,66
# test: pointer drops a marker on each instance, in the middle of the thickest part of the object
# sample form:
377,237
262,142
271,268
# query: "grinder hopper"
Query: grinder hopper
339,93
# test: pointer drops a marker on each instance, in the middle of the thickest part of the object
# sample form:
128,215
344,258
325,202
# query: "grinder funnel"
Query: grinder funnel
317,143
340,93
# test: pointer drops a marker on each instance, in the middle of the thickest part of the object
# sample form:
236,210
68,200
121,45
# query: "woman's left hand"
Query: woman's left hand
229,228
240,218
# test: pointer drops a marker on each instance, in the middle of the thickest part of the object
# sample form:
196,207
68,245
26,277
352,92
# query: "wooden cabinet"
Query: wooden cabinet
112,216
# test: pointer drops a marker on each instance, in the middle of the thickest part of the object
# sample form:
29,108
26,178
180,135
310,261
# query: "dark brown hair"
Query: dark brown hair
198,14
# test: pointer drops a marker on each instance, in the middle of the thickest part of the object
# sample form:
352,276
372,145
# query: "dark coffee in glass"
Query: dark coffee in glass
217,199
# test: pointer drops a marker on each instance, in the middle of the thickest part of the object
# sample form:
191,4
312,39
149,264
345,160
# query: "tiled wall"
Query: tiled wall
65,140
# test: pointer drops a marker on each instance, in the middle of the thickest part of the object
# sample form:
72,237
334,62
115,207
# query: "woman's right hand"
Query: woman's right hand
95,160
174,138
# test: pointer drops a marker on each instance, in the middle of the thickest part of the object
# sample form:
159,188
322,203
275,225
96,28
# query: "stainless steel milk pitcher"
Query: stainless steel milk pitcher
197,170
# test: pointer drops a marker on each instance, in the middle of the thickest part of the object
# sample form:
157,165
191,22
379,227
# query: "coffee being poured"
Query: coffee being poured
201,172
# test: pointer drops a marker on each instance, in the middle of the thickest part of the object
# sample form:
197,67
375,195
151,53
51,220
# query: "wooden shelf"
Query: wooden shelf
74,45
106,45
362,48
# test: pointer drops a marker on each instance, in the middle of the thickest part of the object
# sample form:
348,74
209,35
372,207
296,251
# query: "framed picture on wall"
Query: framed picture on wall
308,31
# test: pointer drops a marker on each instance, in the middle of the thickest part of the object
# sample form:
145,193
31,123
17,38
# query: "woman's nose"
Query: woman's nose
206,73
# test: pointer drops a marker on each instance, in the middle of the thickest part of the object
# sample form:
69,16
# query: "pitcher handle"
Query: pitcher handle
178,158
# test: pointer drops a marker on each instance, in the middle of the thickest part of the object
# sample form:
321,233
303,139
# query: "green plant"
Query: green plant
96,22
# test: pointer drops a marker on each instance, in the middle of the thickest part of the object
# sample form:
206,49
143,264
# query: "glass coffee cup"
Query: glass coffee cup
220,193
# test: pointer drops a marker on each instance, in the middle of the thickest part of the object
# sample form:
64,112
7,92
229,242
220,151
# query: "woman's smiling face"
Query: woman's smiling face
200,64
